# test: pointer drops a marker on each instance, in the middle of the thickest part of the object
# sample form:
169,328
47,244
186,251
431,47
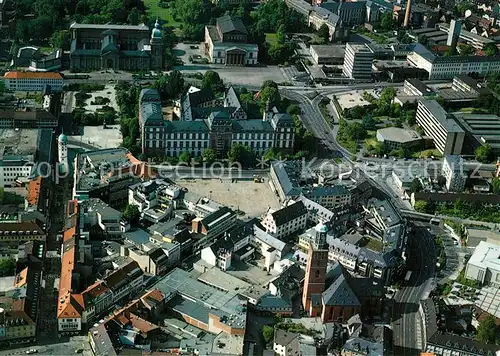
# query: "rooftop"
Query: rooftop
486,255
329,50
32,75
284,338
396,134
108,26
445,119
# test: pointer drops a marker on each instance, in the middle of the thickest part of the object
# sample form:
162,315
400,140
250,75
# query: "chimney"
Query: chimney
406,22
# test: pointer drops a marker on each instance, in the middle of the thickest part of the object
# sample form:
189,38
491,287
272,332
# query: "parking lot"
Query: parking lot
253,199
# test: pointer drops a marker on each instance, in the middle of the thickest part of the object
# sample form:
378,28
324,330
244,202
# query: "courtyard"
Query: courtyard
253,199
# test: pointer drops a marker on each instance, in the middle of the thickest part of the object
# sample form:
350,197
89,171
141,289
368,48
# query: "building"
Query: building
27,119
349,13
475,40
106,174
447,67
208,308
480,129
394,138
484,266
454,33
124,47
104,218
319,16
14,168
327,54
316,213
205,230
464,89
33,81
415,87
209,123
227,43
453,171
286,343
357,62
15,233
32,58
286,221
447,135
290,180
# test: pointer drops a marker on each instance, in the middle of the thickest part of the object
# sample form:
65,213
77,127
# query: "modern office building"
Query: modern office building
33,81
448,67
107,46
484,265
14,169
481,129
227,43
328,54
454,33
415,87
453,171
447,135
358,61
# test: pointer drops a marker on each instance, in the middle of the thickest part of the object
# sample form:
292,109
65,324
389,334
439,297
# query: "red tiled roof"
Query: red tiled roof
32,75
34,191
96,289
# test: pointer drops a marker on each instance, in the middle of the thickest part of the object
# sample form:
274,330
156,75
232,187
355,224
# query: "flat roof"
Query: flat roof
396,134
359,47
479,124
329,50
419,85
141,27
441,115
486,256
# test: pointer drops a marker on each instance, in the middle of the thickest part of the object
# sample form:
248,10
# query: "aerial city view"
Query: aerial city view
250,177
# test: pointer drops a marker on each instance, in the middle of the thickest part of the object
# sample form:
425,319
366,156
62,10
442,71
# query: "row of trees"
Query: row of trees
49,16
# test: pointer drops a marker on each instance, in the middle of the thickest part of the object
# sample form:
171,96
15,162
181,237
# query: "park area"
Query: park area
253,199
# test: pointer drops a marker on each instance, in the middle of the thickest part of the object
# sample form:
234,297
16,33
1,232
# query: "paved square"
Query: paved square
252,198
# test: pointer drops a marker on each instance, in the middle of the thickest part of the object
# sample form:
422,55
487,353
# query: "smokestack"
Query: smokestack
407,14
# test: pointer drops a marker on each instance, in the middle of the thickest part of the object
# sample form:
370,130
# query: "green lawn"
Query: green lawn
427,153
271,38
154,11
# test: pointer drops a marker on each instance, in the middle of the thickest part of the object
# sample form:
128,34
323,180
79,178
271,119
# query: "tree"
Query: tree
495,183
484,154
387,22
132,213
387,95
269,83
293,110
466,50
271,95
491,49
133,17
487,331
280,34
60,39
416,186
421,206
185,157
212,80
241,154
209,156
268,333
324,32
7,267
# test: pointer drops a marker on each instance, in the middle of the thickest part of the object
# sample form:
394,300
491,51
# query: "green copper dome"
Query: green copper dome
63,138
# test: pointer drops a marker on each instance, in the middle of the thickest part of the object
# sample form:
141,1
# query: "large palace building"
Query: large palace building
113,47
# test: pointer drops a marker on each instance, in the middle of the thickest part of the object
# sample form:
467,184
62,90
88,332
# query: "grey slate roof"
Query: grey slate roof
340,293
284,338
255,125
186,126
289,213
229,24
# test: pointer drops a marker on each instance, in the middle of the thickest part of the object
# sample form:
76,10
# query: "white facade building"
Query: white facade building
358,61
448,136
453,172
33,81
286,221
14,168
286,343
484,264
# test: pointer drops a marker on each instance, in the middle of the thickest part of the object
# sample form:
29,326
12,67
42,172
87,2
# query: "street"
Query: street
407,326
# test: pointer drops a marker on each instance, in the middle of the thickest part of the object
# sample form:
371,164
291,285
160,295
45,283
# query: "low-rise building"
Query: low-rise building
33,81
100,215
328,54
27,119
447,135
480,129
15,169
394,138
286,221
207,229
453,171
286,343
415,87
15,233
483,266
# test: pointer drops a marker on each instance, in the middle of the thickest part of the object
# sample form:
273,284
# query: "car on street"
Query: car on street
31,351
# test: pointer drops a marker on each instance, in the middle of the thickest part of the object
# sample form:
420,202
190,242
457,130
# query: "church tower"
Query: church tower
156,43
314,282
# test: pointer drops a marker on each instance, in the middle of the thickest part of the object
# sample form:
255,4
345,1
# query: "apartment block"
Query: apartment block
286,221
447,135
358,61
453,171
